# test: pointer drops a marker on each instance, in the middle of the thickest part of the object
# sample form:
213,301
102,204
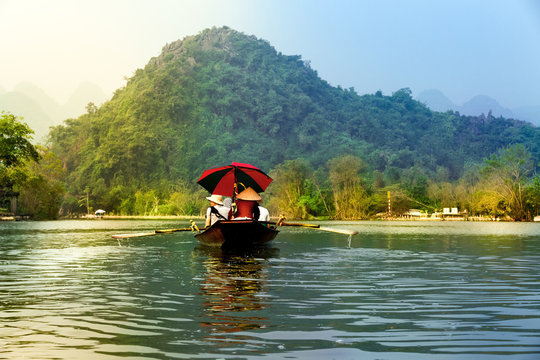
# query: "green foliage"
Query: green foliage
288,191
42,192
146,203
505,175
184,201
351,200
222,96
15,150
15,145
532,197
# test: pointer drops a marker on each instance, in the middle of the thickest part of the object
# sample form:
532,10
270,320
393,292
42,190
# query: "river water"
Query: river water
398,290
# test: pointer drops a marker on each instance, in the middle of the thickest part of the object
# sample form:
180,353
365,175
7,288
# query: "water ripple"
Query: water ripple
67,290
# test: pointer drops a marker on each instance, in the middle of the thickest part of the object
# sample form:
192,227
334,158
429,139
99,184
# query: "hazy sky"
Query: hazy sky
461,47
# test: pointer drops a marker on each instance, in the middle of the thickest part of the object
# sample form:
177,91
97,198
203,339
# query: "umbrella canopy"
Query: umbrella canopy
220,180
100,211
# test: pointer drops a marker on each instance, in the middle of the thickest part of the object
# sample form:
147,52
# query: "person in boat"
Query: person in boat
247,205
227,201
217,210
264,214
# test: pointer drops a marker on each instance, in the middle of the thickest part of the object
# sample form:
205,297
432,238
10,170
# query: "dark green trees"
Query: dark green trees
15,145
15,150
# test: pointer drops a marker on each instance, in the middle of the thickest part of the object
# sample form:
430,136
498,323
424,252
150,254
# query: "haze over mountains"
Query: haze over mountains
40,111
480,104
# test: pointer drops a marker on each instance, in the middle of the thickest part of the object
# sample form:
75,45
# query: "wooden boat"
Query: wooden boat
236,233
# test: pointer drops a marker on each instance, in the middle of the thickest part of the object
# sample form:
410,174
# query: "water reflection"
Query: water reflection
402,291
233,290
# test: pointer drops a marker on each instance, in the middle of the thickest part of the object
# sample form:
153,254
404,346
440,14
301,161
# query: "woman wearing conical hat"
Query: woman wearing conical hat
247,206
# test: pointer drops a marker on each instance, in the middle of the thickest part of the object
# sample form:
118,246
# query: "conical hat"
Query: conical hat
249,194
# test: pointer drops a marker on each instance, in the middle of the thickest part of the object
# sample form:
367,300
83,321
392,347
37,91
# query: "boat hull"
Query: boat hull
236,233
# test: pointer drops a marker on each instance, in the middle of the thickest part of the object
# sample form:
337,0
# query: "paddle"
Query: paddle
156,232
318,227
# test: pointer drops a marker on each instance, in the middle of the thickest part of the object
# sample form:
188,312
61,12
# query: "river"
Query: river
397,290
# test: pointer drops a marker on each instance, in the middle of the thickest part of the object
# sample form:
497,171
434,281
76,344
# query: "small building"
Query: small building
453,214
415,214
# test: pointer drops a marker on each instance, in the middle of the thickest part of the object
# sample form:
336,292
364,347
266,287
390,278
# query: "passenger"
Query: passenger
246,205
264,215
227,202
216,211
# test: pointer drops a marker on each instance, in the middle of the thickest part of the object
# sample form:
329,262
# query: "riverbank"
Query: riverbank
455,218
397,218
11,217
141,217
460,218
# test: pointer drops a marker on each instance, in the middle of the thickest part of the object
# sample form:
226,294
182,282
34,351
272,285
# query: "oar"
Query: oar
323,228
318,227
156,232
125,236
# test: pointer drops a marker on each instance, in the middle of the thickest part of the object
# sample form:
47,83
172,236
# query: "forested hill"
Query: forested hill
223,96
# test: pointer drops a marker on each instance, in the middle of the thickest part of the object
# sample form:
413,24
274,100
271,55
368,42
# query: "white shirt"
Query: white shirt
264,215
223,210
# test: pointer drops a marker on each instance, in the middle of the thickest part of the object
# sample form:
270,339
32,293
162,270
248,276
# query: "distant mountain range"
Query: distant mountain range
40,111
478,105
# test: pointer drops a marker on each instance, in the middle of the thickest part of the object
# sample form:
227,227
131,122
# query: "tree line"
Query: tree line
504,185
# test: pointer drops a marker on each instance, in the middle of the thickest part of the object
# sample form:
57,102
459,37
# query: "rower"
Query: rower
216,211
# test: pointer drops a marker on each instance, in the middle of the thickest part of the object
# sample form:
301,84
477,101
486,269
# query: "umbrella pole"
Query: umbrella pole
234,193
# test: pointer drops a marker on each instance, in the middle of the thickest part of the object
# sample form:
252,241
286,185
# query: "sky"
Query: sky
463,48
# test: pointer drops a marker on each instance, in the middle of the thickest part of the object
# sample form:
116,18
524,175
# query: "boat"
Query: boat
237,233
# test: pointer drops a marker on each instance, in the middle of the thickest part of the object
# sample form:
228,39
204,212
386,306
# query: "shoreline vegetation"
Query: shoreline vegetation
11,217
506,188
398,218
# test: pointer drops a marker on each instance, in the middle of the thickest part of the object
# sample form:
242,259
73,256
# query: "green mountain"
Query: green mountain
223,96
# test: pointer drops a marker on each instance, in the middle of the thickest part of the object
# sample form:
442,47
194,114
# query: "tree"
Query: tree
351,200
532,196
15,145
15,150
288,190
91,108
42,192
505,177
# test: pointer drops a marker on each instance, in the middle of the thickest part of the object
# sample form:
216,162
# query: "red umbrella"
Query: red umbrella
221,180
